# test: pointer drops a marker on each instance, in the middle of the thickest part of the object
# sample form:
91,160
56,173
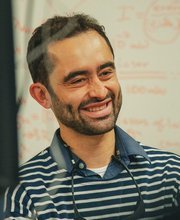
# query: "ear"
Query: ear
40,94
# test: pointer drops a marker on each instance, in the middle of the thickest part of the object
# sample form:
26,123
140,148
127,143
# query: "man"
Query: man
93,169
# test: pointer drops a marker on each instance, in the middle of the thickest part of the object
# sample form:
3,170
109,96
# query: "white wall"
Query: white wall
146,39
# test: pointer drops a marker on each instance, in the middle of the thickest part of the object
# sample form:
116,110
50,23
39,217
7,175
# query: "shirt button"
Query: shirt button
81,166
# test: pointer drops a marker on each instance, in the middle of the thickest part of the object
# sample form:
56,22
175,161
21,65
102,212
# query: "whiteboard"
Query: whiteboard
146,38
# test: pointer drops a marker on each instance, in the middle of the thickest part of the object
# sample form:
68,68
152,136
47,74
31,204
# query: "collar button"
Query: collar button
81,165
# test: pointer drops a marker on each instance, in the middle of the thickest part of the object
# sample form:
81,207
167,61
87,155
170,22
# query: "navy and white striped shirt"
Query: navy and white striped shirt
45,189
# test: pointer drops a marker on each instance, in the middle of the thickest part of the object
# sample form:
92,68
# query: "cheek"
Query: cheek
73,99
114,86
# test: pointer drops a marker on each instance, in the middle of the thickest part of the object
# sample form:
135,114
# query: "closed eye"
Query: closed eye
105,75
77,82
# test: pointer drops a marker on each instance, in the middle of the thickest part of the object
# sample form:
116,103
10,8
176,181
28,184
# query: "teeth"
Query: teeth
95,109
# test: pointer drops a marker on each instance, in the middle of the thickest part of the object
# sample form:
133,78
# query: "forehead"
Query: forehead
82,45
82,53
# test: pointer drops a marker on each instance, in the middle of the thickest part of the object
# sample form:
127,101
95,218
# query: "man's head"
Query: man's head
81,85
54,29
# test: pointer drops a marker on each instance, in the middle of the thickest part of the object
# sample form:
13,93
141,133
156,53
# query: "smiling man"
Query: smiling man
92,169
84,87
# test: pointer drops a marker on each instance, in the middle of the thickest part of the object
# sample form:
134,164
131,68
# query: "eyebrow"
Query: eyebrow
73,74
108,64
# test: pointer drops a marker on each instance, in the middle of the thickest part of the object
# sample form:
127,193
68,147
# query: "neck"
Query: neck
95,150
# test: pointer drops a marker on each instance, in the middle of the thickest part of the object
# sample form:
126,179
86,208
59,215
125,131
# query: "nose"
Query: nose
97,89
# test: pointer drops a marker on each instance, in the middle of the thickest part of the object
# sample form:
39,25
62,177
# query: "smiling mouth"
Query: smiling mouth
99,109
95,109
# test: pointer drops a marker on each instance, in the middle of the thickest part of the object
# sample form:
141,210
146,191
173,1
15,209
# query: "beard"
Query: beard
74,119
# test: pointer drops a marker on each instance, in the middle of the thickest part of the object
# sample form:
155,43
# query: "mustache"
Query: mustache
110,95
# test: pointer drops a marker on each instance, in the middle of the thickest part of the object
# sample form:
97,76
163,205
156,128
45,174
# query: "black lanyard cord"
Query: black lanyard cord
140,207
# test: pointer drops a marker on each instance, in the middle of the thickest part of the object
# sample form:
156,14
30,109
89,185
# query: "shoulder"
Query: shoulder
30,178
41,170
43,157
155,153
163,159
40,165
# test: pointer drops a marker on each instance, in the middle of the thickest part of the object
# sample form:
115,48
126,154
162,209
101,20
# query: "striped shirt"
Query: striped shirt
45,189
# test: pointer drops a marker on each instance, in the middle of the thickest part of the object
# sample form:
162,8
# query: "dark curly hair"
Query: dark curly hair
54,29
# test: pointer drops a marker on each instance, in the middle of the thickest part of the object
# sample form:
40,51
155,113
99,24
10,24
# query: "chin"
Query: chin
98,130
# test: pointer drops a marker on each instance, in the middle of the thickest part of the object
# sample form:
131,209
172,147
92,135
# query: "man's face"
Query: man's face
86,95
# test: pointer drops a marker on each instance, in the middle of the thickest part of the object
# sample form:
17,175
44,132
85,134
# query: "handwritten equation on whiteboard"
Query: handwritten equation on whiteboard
146,38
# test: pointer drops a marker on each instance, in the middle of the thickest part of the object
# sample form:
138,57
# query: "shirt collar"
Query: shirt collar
60,153
128,146
125,144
